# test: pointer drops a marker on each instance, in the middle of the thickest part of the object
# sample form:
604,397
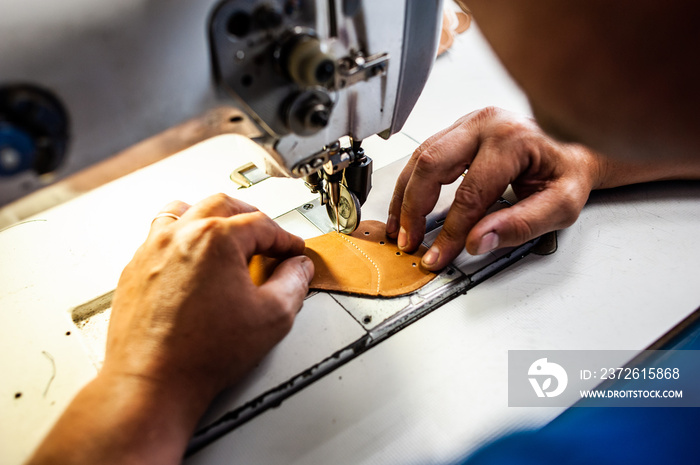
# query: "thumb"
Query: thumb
289,283
533,216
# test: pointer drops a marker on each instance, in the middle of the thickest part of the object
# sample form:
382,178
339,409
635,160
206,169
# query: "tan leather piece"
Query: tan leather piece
365,262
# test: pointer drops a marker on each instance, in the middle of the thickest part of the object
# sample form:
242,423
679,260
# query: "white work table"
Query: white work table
622,276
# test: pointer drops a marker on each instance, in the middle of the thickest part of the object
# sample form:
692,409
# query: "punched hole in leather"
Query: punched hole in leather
365,262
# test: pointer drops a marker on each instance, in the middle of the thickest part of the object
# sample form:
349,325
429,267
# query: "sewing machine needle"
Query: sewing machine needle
337,219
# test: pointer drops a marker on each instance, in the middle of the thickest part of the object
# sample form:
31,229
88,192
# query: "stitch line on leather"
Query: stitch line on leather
379,276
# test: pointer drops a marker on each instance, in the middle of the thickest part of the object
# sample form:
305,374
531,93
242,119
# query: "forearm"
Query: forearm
119,419
615,172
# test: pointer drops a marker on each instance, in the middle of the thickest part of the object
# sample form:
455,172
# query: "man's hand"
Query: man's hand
186,322
186,308
498,148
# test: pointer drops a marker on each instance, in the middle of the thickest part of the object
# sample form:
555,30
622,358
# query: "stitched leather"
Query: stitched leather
365,262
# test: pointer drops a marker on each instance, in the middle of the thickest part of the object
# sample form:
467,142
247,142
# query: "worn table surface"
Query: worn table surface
623,276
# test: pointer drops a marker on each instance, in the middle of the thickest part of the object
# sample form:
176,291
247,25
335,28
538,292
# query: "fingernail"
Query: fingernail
431,256
401,241
392,224
308,266
489,241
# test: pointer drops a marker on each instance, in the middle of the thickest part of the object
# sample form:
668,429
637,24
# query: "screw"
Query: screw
319,117
308,206
325,71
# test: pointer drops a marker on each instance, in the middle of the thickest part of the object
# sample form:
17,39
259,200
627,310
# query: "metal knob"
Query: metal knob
33,130
307,64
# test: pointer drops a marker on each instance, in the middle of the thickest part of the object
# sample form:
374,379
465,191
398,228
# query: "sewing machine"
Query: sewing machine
81,81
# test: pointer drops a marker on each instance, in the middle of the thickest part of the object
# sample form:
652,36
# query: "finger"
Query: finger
542,212
220,205
256,233
441,163
289,284
392,223
487,178
176,208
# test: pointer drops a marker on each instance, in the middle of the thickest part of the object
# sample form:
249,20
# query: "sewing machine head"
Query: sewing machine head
305,73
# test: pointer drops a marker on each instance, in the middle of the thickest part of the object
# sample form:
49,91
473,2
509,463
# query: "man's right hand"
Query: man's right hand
498,148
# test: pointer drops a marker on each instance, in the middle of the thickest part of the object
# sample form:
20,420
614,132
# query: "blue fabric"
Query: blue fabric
607,435
599,435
